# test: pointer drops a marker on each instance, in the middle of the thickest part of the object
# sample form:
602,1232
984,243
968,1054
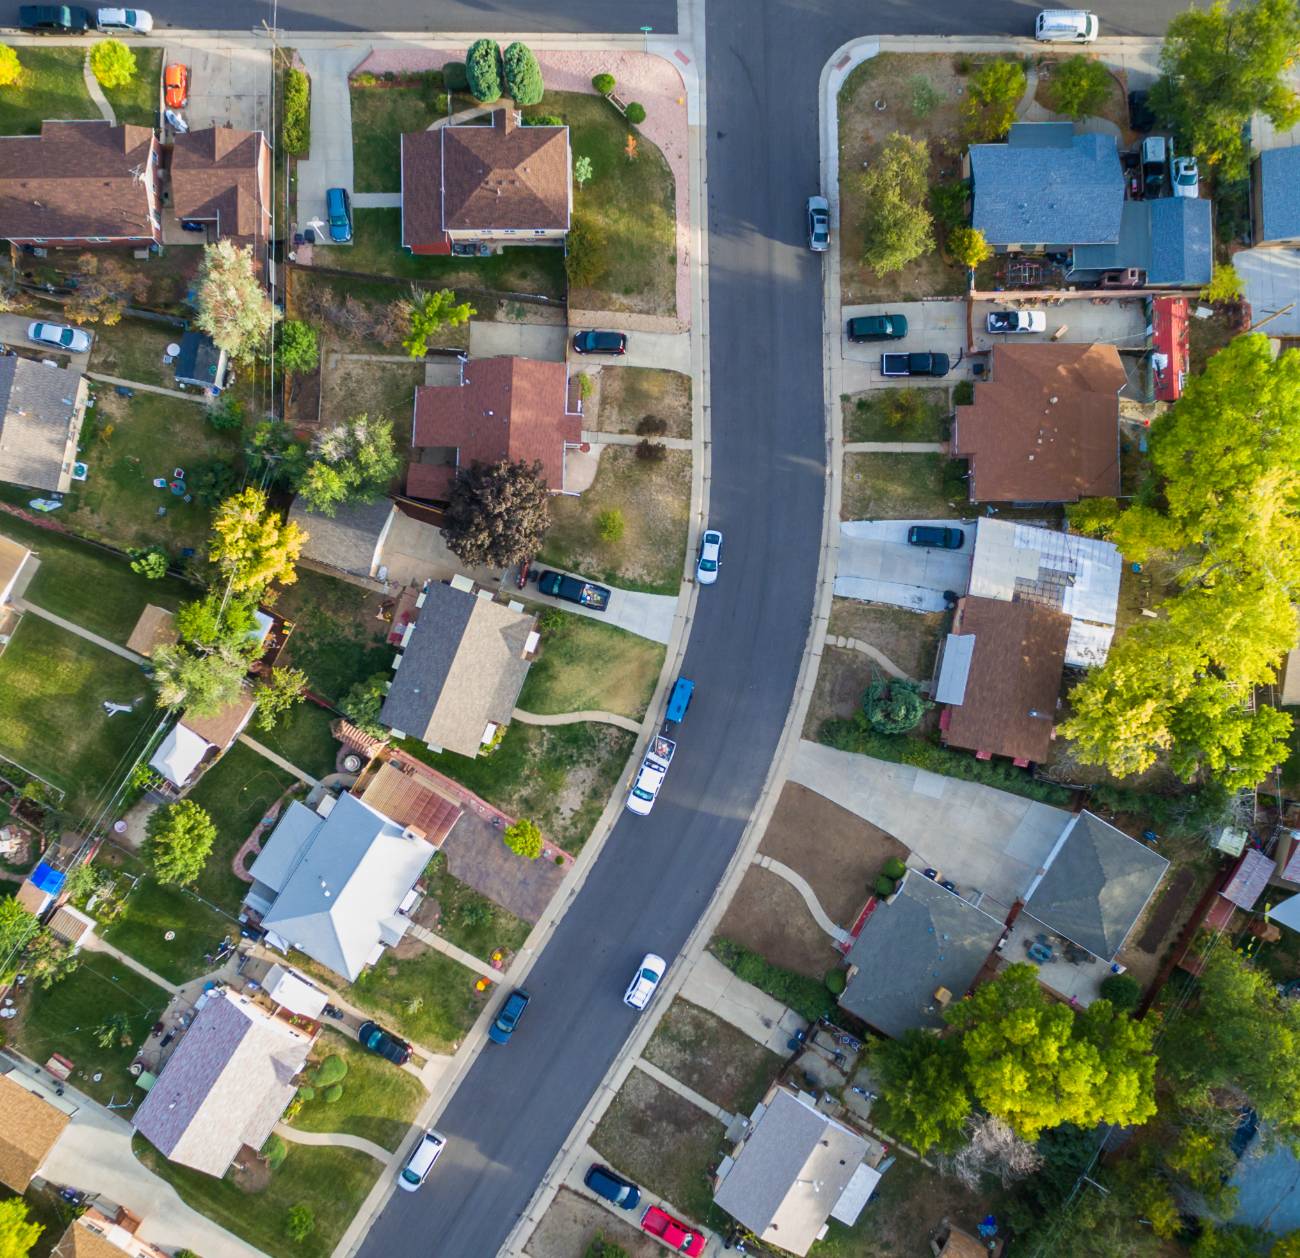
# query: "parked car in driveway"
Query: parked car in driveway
614,1188
73,340
125,21
925,364
1187,178
571,590
176,86
819,224
1017,321
936,536
62,19
673,1232
415,1170
1140,115
886,327
338,210
594,342
706,569
645,981
373,1038
503,1025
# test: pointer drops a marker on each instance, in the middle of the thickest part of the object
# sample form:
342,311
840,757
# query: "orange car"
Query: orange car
176,86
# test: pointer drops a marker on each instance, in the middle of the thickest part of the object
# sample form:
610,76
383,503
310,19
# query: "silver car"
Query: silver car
70,340
129,21
819,224
420,1162
706,569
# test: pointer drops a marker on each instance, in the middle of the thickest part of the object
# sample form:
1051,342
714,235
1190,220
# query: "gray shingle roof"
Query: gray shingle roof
351,540
463,668
1168,238
1279,194
200,362
1096,884
1046,185
41,409
926,939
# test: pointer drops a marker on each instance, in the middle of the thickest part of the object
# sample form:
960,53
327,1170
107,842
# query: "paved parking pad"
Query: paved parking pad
229,86
932,327
876,563
1118,321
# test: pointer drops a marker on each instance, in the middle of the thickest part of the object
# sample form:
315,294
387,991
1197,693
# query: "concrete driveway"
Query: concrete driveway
229,85
937,326
330,163
543,341
876,563
13,331
671,350
648,615
1122,323
1271,278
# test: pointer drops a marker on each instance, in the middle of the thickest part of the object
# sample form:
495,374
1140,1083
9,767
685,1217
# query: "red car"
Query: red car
673,1233
176,86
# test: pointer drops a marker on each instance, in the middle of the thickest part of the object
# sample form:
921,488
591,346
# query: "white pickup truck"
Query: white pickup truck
650,776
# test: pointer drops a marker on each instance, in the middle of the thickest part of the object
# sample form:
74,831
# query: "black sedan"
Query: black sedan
600,343
61,19
375,1039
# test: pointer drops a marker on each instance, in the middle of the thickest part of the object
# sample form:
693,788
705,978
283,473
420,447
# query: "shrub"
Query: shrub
275,1151
1224,286
151,562
990,105
586,385
894,706
651,426
455,76
441,103
894,868
884,887
587,250
227,414
963,393
306,1092
967,247
483,70
300,1222
806,996
635,113
1122,990
835,981
543,120
364,79
331,1070
1079,86
295,126
524,838
1189,815
948,203
924,97
651,451
962,64
11,69
331,1094
522,74
112,63
610,525
604,84
297,347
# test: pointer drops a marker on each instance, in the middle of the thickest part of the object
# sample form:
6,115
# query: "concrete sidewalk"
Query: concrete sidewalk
330,163
276,759
712,986
72,627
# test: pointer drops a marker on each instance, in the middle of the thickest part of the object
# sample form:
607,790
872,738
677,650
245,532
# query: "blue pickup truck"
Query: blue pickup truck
572,590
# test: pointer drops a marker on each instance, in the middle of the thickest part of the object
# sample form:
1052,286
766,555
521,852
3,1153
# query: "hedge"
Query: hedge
483,68
808,997
295,126
523,75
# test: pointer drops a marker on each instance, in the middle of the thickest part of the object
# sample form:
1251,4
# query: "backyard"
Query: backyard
52,86
897,415
151,913
133,350
381,113
628,395
302,736
584,665
902,486
652,498
470,920
137,102
362,386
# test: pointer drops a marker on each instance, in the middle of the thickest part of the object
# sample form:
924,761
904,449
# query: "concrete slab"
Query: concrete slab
648,615
932,326
714,987
414,552
541,341
876,563
330,163
1122,322
13,331
1271,278
671,350
229,85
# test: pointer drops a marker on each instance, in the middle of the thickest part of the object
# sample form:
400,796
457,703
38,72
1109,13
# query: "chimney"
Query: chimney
506,119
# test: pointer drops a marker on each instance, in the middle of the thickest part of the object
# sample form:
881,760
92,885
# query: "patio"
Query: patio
1065,969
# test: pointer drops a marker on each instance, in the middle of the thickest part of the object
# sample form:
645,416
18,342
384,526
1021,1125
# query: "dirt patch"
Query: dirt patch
572,1222
357,386
712,1057
627,395
769,917
842,678
839,853
1164,921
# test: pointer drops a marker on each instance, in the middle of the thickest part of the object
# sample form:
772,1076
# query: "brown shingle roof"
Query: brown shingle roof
31,897
429,480
1045,426
1015,670
218,173
77,179
12,557
71,924
29,1128
156,627
422,188
411,799
506,408
80,1241
221,728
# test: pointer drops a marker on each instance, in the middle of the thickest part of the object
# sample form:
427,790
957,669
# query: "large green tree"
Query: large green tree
203,684
18,928
897,227
990,105
178,839
923,1089
354,461
498,513
17,1233
233,307
252,545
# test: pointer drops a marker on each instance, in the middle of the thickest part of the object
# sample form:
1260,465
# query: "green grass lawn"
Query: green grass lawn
150,912
898,486
52,86
332,1183
560,775
137,102
89,586
133,349
378,1101
52,684
897,415
236,792
469,920
63,1019
135,442
585,665
303,738
380,115
631,202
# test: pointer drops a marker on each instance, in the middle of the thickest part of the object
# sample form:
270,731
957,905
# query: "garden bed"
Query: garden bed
469,920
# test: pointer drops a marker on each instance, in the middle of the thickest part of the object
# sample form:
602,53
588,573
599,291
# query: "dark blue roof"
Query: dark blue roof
1046,185
1279,194
48,879
1168,238
200,361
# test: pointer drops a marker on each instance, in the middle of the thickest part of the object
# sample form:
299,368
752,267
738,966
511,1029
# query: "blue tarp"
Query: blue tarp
48,879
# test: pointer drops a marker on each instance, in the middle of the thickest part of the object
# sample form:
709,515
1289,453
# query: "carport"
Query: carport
876,563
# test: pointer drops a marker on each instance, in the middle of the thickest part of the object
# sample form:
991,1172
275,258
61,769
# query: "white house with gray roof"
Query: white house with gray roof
1275,198
337,884
41,413
225,1086
794,1169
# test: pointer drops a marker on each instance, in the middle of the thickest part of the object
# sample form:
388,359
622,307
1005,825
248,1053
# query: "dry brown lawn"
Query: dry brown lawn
909,639
356,386
627,395
842,678
769,917
899,486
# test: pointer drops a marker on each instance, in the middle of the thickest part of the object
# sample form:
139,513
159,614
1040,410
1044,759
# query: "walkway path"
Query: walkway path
377,201
200,398
467,959
576,718
278,760
712,986
856,644
71,627
95,944
97,92
631,439
676,1085
334,1140
895,447
800,884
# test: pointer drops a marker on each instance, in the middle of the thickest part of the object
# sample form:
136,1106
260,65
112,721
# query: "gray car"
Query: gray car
71,340
819,224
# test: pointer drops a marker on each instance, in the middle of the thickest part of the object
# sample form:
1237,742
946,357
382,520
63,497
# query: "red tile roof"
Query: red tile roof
222,173
411,799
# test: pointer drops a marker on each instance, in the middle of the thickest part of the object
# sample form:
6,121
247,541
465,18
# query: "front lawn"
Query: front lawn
378,1102
137,102
302,736
653,499
559,775
380,116
52,686
150,913
629,395
331,1182
584,665
133,350
897,415
631,203
470,920
52,86
63,1019
903,486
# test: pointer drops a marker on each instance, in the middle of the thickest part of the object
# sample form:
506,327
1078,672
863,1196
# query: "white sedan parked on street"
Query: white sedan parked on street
128,21
71,340
645,981
706,570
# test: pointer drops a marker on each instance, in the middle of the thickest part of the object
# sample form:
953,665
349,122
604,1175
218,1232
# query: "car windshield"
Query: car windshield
708,565
642,794
650,976
409,1175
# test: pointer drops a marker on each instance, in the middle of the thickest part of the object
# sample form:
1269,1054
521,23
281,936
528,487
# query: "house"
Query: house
1170,239
40,888
195,743
337,884
41,412
503,408
1046,189
1275,198
288,989
351,540
1044,425
98,1235
221,178
12,558
793,1169
1076,575
30,1126
200,364
999,676
919,950
79,184
462,665
225,1086
501,184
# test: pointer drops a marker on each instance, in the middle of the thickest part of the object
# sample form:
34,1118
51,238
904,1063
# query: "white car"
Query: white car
706,570
645,981
645,790
415,1170
1187,178
73,340
131,21
1016,321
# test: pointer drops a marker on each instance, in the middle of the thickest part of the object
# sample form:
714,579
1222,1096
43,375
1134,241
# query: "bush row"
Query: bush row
808,997
295,126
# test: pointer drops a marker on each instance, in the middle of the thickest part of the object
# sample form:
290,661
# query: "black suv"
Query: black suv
600,343
58,18
374,1038
936,536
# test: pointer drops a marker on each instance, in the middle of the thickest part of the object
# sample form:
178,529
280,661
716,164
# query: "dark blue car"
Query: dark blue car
504,1027
604,1183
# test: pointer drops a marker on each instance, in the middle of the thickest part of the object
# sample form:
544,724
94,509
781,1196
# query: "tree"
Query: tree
431,311
362,704
1123,991
635,113
17,1233
18,928
1218,67
178,839
211,482
1225,285
897,228
213,622
201,684
296,343
581,171
925,1099
524,838
105,288
586,252
894,707
226,414
274,1151
948,203
1079,86
968,247
112,63
233,307
300,1222
11,69
522,74
281,690
113,1032
354,461
992,1148
483,70
48,959
150,563
274,455
252,545
498,513
990,105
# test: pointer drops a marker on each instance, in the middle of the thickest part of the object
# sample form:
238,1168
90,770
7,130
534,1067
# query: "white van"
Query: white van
420,1163
1066,26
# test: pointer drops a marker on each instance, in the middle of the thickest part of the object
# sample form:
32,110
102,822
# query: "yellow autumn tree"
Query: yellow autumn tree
252,545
